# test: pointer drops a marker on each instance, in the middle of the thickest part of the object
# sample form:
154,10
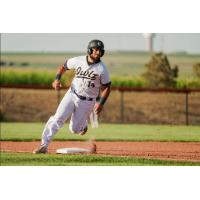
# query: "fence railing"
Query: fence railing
122,90
185,91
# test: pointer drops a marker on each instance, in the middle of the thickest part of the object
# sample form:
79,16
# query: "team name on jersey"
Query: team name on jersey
87,74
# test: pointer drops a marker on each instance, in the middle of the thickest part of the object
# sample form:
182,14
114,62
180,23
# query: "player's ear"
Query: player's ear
102,52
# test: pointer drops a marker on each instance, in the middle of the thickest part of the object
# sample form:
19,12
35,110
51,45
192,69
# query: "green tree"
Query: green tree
196,69
159,73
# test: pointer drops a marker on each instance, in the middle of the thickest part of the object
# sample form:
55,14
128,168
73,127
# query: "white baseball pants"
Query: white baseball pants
70,106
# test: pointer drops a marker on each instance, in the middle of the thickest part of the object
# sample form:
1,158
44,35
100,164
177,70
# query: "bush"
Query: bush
118,81
188,83
159,72
196,69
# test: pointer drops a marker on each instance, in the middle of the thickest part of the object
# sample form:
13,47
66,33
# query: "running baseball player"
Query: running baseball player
79,101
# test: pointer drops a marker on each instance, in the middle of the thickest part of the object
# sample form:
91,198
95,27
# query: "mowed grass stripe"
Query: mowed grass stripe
106,132
26,159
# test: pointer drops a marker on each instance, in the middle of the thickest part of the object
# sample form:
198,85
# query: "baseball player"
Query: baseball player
79,101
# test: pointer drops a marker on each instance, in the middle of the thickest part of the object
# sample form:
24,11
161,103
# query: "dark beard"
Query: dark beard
94,60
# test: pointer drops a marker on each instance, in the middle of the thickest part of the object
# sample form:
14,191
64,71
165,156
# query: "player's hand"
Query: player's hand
56,85
98,108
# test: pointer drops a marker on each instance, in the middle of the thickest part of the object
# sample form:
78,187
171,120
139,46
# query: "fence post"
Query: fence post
122,106
186,109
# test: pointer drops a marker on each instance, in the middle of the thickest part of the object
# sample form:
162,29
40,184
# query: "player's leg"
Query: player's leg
55,122
79,118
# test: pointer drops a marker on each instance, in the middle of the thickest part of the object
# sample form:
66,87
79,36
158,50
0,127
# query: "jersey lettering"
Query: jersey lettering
87,74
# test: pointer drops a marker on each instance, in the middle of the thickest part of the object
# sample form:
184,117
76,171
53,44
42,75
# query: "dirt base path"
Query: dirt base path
189,151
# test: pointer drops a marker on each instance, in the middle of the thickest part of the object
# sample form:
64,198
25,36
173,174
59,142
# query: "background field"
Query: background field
126,68
118,63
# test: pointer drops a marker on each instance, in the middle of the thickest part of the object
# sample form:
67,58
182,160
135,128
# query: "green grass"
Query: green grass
26,159
106,132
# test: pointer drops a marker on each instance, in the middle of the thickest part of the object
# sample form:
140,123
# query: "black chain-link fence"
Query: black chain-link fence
123,106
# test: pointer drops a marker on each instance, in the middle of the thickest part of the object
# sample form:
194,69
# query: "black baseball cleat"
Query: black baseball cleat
40,150
84,131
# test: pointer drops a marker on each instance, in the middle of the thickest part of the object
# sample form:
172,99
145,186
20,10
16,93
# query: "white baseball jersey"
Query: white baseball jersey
88,78
86,83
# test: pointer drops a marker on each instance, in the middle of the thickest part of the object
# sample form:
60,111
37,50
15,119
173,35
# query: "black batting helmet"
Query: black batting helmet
95,44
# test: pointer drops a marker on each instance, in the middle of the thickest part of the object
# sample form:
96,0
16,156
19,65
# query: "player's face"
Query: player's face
96,54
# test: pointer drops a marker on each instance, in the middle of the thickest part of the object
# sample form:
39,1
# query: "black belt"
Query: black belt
82,97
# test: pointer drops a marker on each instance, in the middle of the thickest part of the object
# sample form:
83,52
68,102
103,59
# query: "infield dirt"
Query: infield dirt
181,151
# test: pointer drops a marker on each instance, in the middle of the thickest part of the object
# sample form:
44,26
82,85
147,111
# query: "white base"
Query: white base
72,150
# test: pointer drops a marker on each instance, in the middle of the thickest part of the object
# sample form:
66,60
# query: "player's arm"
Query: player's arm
104,94
56,83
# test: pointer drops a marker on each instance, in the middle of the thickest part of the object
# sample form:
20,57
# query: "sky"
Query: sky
77,42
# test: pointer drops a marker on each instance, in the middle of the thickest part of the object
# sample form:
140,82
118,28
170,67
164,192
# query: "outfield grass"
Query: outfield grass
27,159
106,132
